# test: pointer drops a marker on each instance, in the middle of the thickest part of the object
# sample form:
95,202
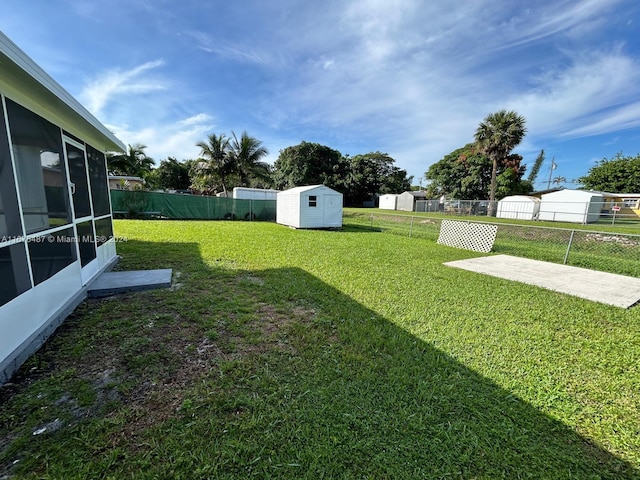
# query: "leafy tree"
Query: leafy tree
466,174
373,173
310,164
619,174
215,165
134,162
496,136
246,154
172,174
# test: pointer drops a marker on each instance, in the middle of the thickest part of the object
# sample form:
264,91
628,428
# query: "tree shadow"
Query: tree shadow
439,417
356,396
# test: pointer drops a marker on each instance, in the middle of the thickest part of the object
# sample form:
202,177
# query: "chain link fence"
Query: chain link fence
596,250
624,212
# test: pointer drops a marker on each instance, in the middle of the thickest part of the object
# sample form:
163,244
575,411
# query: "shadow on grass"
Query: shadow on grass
342,393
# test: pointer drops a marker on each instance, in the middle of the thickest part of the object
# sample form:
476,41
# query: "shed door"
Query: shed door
332,210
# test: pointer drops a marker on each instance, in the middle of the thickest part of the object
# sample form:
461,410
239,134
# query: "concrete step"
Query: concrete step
112,283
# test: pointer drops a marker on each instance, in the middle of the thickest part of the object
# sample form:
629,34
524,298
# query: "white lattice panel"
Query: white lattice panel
478,237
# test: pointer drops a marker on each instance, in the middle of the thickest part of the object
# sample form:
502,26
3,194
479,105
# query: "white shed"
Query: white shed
312,206
520,207
245,193
407,200
388,201
577,206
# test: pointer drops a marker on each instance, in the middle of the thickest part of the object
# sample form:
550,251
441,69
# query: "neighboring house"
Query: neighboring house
520,207
577,206
407,200
628,204
56,232
313,206
123,182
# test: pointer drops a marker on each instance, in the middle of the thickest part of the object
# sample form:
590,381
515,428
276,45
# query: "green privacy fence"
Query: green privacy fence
139,203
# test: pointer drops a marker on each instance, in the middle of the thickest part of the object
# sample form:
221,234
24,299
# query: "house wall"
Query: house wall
56,231
629,205
125,183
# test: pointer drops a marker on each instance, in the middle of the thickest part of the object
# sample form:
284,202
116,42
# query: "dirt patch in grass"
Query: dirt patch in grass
136,358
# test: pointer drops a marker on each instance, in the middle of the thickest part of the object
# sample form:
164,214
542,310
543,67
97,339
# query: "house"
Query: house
407,200
577,206
124,182
388,201
621,204
520,207
56,232
313,206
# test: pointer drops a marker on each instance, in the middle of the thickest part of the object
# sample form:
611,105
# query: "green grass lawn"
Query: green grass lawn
316,354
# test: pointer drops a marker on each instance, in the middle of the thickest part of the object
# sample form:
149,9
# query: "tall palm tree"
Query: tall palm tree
134,162
496,136
247,153
215,159
559,180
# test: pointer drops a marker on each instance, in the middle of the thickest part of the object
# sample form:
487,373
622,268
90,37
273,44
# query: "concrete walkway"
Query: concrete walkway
617,290
112,283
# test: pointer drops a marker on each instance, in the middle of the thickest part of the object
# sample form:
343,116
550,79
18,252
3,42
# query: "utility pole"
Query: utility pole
553,167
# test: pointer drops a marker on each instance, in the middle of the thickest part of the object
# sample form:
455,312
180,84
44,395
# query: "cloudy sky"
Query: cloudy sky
412,78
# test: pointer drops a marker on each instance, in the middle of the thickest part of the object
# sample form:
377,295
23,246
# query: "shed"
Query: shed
56,233
576,206
312,206
246,193
407,200
520,207
388,201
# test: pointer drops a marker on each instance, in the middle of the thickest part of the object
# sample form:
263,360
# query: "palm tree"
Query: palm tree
496,136
247,153
559,180
134,162
215,161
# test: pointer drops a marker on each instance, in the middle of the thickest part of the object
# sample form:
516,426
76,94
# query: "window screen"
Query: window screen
51,253
10,225
313,200
14,272
42,180
99,185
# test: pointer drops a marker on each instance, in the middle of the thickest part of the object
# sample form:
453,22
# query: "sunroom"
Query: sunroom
56,231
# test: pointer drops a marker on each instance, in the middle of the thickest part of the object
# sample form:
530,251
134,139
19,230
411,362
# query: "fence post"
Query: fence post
566,255
411,227
371,221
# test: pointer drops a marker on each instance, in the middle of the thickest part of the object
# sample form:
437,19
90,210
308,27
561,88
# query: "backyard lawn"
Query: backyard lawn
316,354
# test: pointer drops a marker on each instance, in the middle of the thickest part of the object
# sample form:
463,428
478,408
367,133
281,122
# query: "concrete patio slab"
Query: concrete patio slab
112,283
611,289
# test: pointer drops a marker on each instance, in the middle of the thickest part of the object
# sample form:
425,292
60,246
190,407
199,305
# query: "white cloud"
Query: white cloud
100,91
225,49
587,97
176,139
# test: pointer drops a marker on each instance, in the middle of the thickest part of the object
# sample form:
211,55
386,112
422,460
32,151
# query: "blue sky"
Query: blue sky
412,78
